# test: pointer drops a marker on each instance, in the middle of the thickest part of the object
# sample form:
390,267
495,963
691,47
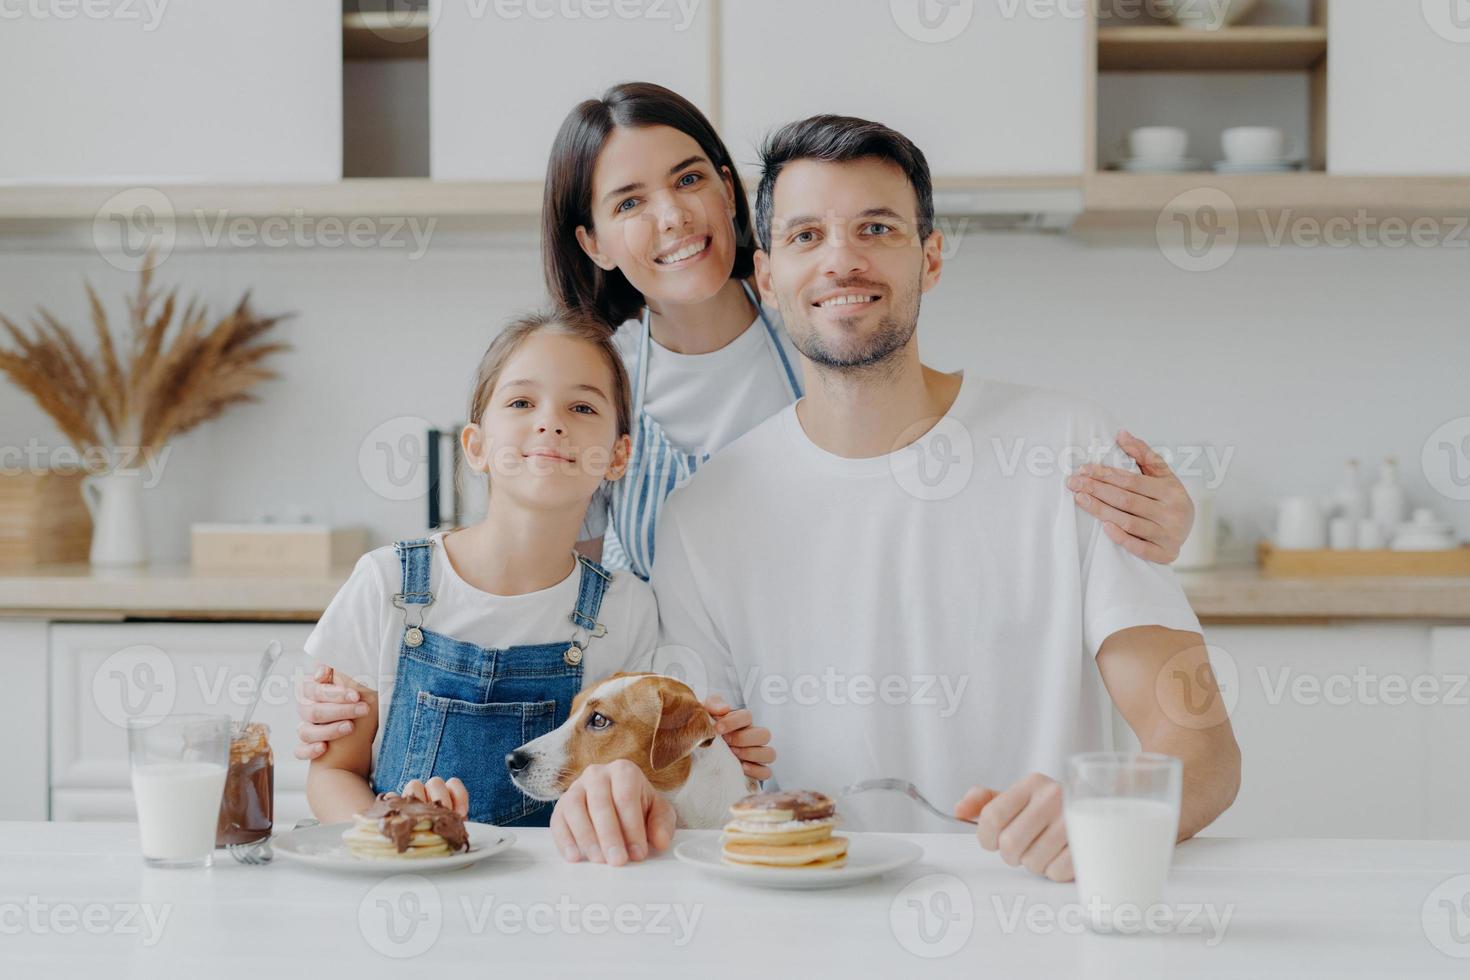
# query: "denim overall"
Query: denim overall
459,709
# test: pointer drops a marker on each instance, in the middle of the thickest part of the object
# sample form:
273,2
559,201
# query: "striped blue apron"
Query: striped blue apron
656,467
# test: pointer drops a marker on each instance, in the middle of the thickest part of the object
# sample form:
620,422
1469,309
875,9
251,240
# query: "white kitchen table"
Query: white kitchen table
76,901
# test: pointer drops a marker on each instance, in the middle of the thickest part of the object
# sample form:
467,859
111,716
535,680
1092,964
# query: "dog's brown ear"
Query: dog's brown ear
683,723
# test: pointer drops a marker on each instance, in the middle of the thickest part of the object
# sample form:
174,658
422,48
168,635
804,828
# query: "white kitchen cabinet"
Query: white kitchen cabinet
1347,730
23,707
1448,760
1002,96
1397,76
503,75
187,91
103,674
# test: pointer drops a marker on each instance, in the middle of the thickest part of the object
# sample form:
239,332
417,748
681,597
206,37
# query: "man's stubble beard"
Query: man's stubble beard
874,360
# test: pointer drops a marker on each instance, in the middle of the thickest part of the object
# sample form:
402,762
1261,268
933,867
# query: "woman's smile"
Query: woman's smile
684,252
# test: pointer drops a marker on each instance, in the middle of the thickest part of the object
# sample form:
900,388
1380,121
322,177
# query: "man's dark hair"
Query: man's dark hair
839,139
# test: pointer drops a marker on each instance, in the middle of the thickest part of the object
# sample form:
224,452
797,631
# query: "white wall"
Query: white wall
1297,358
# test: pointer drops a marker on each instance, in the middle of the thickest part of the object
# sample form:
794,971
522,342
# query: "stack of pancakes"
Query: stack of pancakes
791,829
394,827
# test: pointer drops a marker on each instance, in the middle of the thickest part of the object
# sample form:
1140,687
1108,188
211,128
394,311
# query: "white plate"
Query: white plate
868,856
323,847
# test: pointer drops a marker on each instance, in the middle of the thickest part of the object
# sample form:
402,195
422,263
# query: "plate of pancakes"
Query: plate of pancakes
785,840
395,832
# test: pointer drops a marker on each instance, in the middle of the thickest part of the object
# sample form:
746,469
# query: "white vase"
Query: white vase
119,538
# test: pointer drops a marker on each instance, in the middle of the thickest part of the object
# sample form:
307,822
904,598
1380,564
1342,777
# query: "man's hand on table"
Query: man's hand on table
611,814
1023,823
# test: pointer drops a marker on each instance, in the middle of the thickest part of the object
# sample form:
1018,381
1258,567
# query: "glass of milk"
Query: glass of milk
1122,817
179,763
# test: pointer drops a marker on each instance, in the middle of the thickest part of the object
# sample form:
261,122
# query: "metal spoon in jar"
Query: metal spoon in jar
267,662
257,852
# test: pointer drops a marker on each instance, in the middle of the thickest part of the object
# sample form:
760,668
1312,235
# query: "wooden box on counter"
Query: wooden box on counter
304,549
1324,563
43,518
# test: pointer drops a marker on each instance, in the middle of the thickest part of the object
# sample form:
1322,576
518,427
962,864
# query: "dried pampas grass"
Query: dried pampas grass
130,404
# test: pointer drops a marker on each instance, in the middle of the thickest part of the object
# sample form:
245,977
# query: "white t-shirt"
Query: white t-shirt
704,402
929,615
361,630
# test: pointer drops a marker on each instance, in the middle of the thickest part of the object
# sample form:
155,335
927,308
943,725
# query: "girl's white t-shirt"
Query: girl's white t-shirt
704,402
361,631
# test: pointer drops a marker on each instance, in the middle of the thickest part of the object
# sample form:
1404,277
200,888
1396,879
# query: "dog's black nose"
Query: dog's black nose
517,761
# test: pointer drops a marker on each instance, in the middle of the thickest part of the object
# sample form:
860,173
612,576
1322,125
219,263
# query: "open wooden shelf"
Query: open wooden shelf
1308,193
349,198
1228,49
419,196
375,36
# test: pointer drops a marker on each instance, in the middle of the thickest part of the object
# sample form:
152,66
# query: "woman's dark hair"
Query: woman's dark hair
839,139
572,278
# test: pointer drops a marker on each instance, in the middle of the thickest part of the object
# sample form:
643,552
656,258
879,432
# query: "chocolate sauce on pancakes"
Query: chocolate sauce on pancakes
804,804
397,817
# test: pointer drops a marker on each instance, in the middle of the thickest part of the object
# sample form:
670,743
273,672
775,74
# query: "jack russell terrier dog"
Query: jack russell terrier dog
653,721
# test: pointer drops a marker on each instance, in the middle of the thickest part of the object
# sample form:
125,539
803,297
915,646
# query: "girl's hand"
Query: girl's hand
451,794
611,814
751,745
326,710
1149,513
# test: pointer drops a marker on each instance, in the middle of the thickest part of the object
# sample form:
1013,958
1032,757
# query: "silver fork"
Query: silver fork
906,788
259,851
254,852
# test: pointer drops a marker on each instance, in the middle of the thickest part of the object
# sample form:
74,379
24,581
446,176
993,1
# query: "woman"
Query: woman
646,225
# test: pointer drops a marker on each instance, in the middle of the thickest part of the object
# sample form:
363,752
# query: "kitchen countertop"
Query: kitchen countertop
1225,595
1258,908
1243,594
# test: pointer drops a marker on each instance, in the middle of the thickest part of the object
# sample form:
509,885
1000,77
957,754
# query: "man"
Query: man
890,574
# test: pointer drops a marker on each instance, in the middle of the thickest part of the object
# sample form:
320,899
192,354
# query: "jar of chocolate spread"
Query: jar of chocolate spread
245,809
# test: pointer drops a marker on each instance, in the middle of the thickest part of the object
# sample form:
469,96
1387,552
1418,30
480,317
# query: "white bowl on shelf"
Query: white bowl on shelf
1206,15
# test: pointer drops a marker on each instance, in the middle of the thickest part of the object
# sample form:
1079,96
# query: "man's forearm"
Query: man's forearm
1211,773
1152,675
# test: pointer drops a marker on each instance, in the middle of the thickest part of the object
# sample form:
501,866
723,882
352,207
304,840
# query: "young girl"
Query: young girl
465,645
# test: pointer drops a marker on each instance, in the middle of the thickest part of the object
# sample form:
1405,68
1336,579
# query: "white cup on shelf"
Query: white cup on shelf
1300,525
1158,144
1370,535
1253,144
1200,547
